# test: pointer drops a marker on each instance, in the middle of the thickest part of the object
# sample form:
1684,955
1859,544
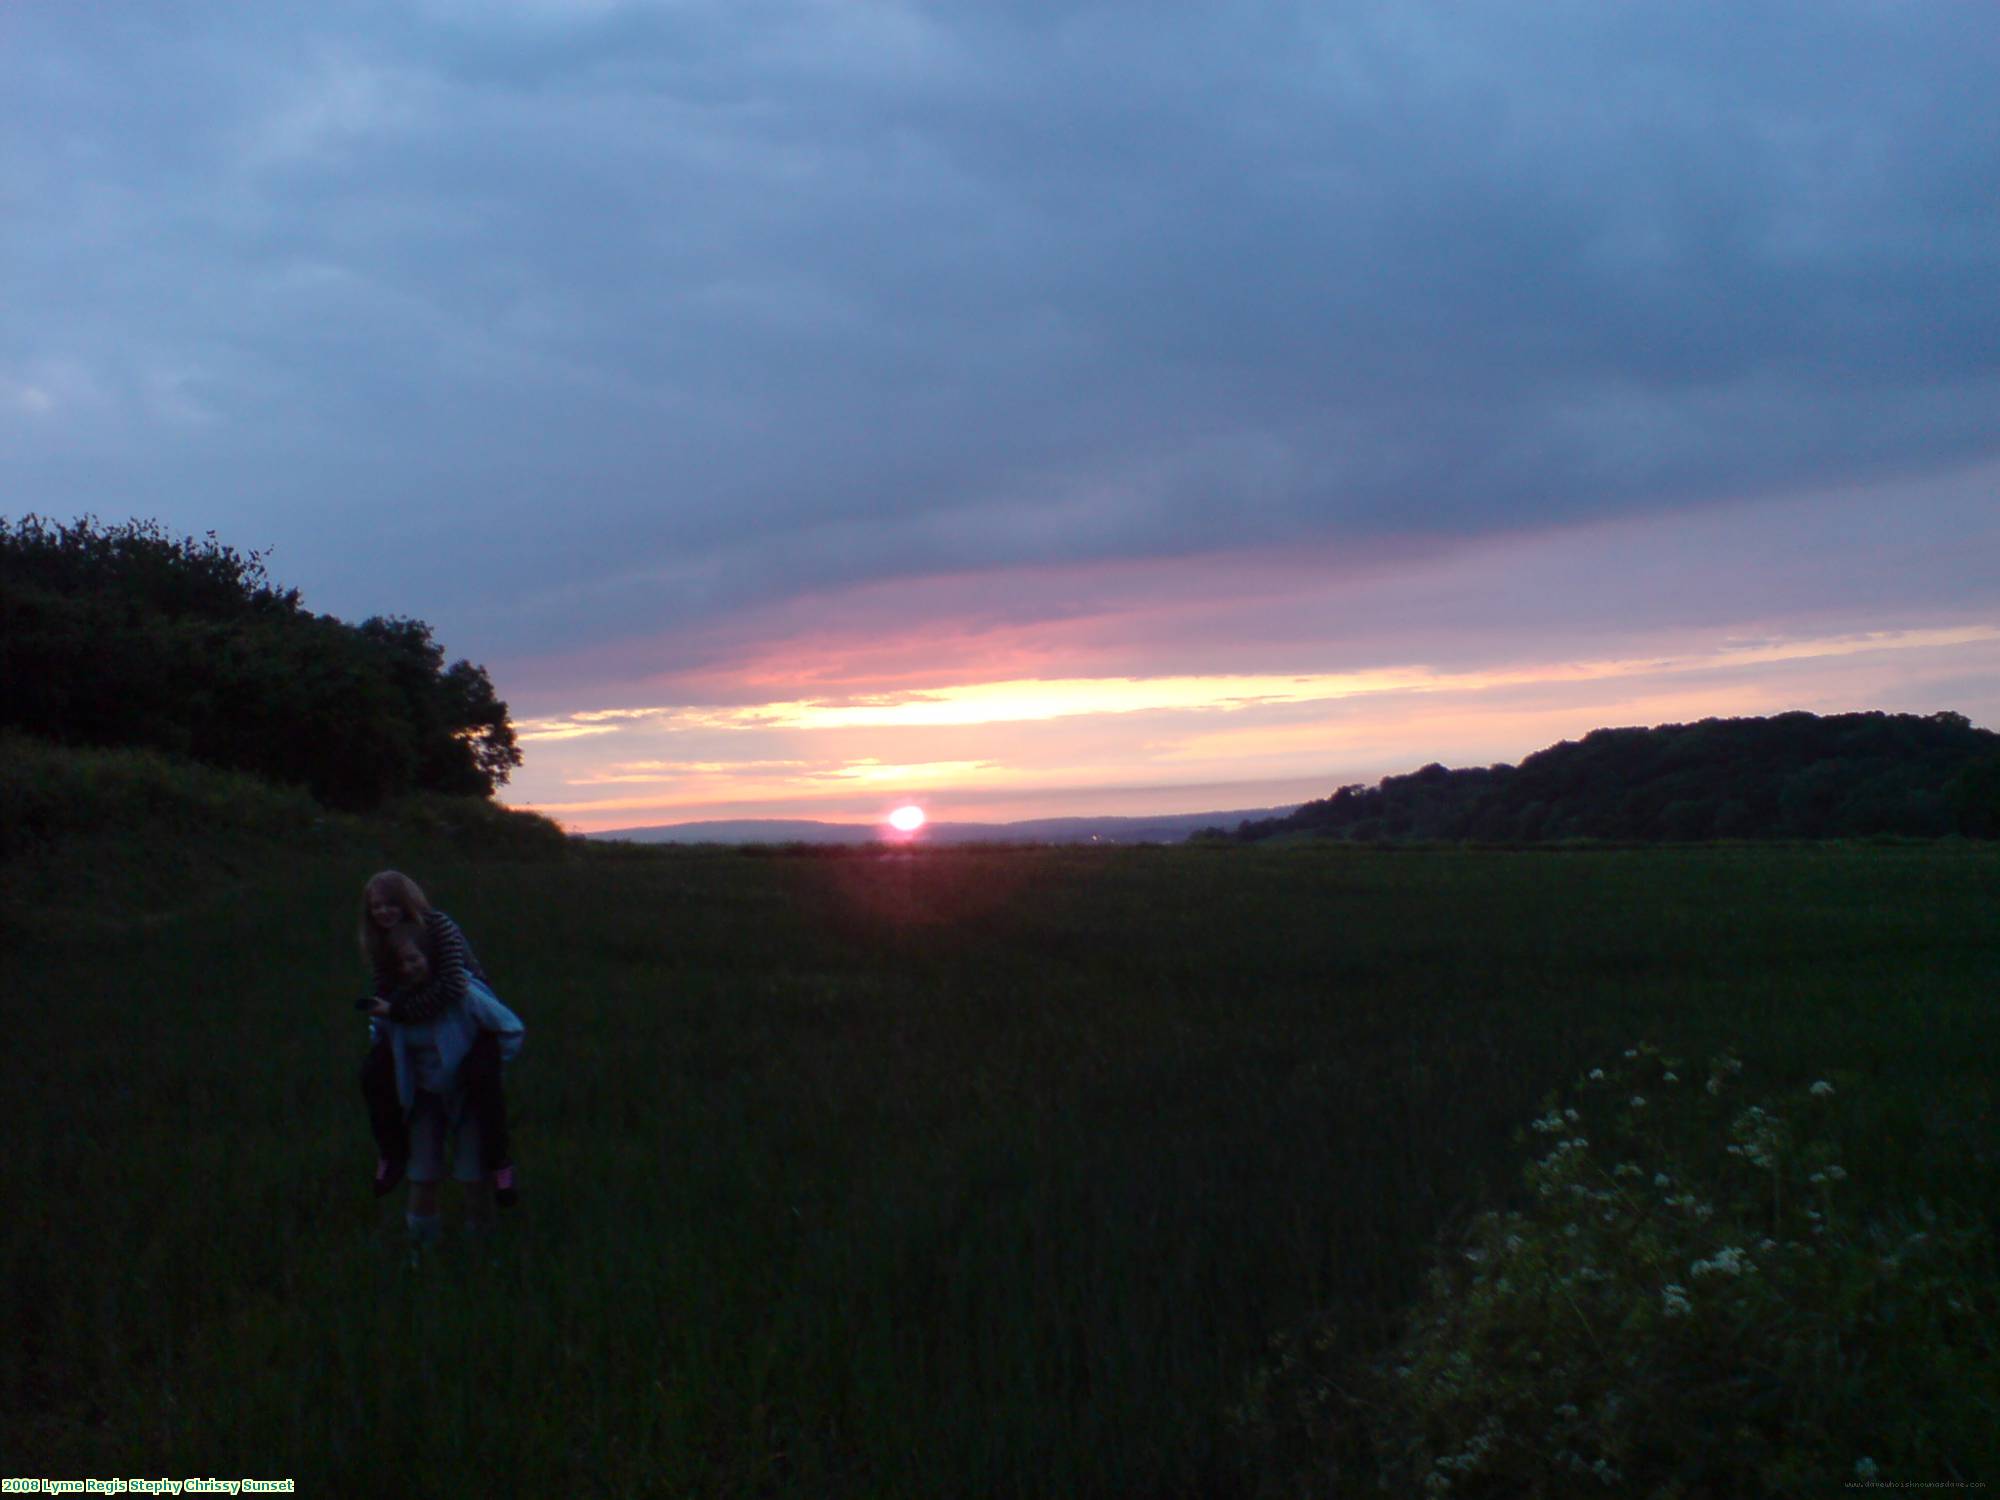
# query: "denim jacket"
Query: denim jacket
453,1034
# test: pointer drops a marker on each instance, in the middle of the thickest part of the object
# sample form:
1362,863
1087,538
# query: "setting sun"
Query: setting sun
907,819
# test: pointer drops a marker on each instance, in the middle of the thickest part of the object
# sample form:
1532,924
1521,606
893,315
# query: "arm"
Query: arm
490,1013
447,984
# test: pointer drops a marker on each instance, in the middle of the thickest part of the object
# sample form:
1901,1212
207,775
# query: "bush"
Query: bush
51,793
1691,1302
472,825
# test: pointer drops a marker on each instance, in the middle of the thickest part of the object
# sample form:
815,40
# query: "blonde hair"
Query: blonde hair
378,945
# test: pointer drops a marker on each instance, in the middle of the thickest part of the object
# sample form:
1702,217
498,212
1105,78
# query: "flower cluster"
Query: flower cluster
1684,1265
1728,1261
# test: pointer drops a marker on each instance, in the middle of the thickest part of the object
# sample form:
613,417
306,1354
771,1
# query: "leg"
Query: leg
385,1116
486,1107
426,1169
468,1168
486,1101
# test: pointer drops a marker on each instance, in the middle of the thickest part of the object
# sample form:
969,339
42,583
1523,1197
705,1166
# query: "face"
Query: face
385,909
411,961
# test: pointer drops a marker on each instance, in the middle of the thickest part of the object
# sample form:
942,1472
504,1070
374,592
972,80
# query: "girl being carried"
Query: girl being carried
440,1038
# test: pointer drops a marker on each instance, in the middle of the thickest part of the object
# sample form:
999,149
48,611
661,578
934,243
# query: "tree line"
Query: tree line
1796,775
128,636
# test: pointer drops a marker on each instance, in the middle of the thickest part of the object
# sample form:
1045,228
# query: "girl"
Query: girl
440,1037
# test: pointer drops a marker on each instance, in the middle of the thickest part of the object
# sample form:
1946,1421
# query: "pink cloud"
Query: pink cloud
1166,675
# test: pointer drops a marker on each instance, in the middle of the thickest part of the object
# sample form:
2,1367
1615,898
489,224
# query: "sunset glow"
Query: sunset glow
965,704
1373,386
907,819
1246,679
1127,743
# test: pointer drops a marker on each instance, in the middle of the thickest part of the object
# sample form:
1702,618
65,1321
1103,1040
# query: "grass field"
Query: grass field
960,1172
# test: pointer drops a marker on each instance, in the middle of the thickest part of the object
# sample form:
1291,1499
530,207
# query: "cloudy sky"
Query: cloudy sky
804,406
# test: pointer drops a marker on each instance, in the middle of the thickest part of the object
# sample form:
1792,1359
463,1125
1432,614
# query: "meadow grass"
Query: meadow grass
951,1172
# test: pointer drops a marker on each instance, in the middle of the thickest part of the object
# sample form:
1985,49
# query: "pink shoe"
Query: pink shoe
504,1192
387,1174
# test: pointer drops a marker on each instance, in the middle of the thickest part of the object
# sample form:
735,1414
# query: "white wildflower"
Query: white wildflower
1729,1261
1638,1102
1674,1300
1821,1089
1671,1078
1596,1075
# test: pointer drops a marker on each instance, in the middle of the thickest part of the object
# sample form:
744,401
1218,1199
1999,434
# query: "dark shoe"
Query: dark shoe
387,1174
504,1192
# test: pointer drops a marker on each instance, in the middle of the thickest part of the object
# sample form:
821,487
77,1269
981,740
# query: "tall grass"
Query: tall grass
944,1173
92,839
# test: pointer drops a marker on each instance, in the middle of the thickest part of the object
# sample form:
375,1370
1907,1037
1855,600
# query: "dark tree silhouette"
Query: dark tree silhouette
1792,776
126,635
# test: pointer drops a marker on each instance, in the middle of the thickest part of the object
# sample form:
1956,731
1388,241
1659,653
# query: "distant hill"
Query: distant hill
1796,775
1167,828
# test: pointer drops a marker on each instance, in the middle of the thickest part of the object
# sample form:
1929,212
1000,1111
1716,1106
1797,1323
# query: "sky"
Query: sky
802,407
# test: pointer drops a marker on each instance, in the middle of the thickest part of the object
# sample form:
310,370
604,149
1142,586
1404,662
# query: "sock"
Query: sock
424,1228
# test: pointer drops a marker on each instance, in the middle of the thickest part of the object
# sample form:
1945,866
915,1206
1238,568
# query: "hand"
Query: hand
379,1008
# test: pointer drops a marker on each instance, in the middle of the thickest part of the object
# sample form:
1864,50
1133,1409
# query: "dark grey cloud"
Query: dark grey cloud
638,312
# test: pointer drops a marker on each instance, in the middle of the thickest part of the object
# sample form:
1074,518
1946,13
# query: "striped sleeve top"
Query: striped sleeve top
452,960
